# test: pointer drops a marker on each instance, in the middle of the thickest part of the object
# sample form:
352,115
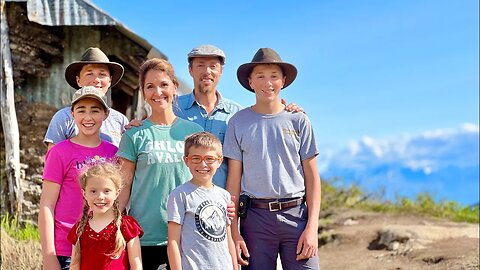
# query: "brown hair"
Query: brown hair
111,171
203,139
156,64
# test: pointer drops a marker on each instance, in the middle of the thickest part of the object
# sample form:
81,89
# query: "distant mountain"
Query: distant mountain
444,163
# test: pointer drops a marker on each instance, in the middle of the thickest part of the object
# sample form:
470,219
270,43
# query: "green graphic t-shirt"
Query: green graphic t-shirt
157,152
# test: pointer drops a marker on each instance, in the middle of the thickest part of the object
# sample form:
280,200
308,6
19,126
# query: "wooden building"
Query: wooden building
40,38
47,35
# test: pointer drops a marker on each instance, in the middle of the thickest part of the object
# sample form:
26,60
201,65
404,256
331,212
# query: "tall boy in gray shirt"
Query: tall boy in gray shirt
272,160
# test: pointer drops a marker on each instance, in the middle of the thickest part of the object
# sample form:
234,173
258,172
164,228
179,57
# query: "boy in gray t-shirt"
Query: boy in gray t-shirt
272,164
198,228
96,70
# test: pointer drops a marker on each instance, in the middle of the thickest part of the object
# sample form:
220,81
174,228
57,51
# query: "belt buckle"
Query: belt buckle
274,206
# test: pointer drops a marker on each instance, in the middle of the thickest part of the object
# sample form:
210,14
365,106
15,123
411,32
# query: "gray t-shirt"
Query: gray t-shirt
62,127
271,148
202,214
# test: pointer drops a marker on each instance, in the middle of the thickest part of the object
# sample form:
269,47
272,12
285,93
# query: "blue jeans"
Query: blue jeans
64,262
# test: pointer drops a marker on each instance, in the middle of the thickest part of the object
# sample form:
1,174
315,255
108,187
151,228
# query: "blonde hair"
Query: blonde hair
203,139
111,171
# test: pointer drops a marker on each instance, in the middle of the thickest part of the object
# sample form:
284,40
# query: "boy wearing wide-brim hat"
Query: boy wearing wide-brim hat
93,69
272,169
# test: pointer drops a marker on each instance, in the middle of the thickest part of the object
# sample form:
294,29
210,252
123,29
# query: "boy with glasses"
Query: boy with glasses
198,228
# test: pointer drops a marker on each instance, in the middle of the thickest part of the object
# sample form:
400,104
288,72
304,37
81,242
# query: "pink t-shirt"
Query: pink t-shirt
63,164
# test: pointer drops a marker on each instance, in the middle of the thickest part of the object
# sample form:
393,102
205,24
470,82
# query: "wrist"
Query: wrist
49,254
235,233
311,226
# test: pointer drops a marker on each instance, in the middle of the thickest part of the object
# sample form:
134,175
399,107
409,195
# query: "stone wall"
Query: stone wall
33,119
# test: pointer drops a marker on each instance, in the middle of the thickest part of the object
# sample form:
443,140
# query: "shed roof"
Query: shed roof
80,13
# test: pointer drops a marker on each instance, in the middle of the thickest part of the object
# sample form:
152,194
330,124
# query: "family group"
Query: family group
200,183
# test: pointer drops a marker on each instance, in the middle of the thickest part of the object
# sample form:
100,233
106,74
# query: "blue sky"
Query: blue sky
381,70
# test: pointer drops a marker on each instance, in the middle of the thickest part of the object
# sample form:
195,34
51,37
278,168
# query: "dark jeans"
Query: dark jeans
64,262
155,257
268,234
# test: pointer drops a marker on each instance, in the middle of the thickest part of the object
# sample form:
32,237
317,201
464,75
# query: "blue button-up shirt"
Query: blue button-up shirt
216,123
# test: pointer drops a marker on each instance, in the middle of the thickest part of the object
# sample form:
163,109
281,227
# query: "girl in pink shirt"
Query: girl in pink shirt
61,200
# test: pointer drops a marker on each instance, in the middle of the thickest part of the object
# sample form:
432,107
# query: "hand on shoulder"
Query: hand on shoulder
292,107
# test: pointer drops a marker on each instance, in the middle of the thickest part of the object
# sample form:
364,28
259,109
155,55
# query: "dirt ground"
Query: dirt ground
362,240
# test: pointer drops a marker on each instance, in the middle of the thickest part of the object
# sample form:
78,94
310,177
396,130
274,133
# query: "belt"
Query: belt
275,204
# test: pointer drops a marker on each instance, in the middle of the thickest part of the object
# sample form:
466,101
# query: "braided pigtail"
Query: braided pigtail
80,229
119,240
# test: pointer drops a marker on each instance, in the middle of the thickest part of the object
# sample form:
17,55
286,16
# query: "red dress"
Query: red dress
95,247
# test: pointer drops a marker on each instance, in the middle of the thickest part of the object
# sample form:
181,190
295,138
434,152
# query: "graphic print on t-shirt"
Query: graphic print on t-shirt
90,161
162,151
210,219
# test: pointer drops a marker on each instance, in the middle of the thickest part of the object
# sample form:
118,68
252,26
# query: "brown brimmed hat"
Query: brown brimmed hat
93,56
266,56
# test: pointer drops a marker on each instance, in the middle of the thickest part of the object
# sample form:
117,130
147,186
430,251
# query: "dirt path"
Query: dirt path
360,240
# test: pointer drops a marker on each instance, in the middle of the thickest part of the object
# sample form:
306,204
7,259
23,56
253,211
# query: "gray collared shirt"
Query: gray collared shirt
216,123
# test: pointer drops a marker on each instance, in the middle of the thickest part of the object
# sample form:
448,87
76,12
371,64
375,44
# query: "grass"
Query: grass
424,204
18,231
19,254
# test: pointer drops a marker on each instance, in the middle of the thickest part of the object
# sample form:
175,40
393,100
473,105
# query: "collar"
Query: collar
191,100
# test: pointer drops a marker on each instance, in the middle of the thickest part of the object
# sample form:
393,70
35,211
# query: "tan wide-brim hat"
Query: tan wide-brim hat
266,56
93,56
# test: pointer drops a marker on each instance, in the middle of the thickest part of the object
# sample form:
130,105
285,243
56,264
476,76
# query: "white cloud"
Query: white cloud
468,127
420,162
427,170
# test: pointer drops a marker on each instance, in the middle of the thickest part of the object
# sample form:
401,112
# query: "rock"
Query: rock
393,246
37,179
350,222
389,235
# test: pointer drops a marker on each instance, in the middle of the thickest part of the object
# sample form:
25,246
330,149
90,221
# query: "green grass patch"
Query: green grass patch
18,231
424,204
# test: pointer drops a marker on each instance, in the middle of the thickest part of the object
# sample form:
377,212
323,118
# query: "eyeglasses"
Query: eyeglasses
197,159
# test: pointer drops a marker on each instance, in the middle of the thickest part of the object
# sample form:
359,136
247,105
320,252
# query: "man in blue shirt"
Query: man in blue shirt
205,105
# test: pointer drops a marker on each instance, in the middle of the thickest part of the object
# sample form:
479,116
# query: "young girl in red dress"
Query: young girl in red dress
103,238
